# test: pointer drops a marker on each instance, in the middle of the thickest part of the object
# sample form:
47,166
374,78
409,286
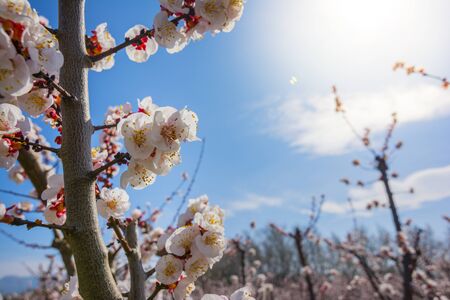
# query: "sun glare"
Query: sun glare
356,33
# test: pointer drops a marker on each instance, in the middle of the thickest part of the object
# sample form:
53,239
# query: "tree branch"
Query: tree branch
105,126
150,272
119,158
114,224
51,82
19,194
35,146
31,224
137,273
23,243
146,33
158,288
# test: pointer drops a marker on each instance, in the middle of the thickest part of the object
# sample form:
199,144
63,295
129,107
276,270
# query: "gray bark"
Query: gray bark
137,274
94,275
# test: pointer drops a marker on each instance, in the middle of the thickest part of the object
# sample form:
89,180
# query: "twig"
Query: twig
146,33
150,272
53,31
119,158
64,93
105,126
19,194
35,146
191,183
114,224
23,243
158,288
31,224
341,110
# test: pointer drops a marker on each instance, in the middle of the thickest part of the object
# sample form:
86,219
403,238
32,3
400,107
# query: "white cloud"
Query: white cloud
429,185
334,207
311,125
253,202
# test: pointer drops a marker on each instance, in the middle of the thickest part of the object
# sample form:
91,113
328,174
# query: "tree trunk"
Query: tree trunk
137,274
94,275
407,258
304,262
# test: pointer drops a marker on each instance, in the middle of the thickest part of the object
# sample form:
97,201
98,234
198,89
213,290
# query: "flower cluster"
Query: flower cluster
113,203
55,211
194,247
27,48
100,41
178,22
12,123
153,137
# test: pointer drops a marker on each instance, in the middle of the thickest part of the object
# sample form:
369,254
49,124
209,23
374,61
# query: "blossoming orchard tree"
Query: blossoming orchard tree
44,73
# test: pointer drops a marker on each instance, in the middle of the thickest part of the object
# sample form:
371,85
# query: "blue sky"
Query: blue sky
272,145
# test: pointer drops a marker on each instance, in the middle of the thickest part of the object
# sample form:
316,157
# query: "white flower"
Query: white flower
242,294
136,130
184,289
214,11
136,214
211,219
168,269
17,174
36,102
13,9
168,130
15,76
113,203
2,210
8,156
98,157
115,113
161,244
71,289
10,116
174,6
166,33
180,242
257,263
186,121
161,162
211,244
147,106
55,213
55,185
137,176
198,205
43,49
197,265
142,50
102,41
235,9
